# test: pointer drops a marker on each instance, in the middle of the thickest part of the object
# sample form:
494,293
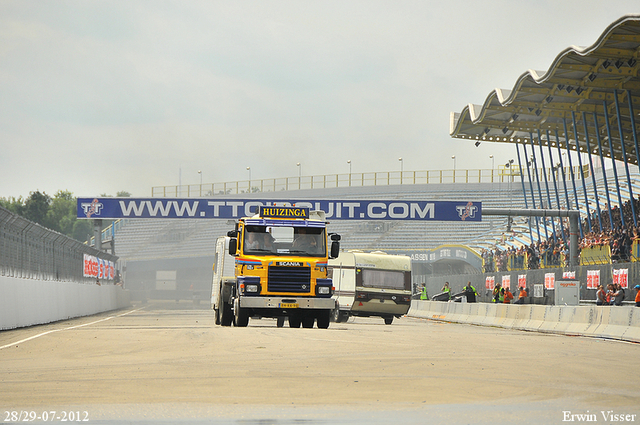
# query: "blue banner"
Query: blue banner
114,208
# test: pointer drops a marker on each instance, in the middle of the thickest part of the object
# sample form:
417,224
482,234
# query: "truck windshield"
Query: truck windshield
298,241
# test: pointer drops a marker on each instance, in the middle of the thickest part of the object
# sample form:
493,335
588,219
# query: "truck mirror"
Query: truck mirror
233,246
335,249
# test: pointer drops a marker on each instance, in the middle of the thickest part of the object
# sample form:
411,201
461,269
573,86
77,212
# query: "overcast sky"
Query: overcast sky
106,96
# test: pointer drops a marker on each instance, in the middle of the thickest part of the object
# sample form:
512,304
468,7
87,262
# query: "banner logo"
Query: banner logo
91,208
467,211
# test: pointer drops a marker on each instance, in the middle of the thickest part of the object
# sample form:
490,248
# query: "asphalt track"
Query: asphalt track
164,362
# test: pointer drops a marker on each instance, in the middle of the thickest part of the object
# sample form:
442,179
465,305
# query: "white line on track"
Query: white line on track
69,328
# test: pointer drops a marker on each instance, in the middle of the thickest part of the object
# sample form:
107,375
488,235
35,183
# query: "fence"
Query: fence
28,250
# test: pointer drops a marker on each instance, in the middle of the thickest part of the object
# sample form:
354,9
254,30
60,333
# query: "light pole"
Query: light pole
492,166
200,172
299,175
401,168
453,157
349,162
249,170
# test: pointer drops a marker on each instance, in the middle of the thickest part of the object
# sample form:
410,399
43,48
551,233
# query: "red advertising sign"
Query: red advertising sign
490,282
549,280
593,279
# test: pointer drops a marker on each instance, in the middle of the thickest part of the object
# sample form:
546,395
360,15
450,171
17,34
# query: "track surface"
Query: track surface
168,361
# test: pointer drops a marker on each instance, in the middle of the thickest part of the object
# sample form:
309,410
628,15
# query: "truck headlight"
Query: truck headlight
251,288
324,290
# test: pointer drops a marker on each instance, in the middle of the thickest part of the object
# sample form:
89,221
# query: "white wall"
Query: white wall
26,302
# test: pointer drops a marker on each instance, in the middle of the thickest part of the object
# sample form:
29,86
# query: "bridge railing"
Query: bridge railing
502,174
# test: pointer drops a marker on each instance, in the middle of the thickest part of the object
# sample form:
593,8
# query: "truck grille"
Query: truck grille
289,279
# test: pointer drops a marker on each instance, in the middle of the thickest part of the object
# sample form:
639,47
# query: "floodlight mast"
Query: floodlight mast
574,217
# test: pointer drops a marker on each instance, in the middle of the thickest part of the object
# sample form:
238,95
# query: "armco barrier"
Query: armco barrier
615,322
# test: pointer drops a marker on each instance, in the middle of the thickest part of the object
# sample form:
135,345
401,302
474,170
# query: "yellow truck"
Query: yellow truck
274,264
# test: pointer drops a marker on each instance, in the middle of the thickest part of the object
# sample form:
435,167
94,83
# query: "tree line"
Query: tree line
56,213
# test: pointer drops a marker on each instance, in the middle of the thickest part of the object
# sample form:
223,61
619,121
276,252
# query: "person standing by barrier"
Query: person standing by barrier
601,297
496,293
508,296
471,293
423,294
447,289
608,294
617,296
637,288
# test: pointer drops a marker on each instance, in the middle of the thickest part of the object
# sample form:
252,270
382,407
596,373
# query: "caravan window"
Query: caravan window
382,279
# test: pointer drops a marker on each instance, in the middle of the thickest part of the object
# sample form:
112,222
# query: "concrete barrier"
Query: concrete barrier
524,315
538,313
619,320
633,331
27,302
596,321
577,321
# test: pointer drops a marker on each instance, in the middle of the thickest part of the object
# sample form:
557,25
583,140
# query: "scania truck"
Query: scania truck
274,264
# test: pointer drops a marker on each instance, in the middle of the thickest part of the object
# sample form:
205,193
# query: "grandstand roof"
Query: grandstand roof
582,85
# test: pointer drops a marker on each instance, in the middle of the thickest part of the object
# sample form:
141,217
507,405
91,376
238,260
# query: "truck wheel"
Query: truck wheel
324,318
294,321
226,315
280,321
216,314
307,321
343,316
388,320
241,315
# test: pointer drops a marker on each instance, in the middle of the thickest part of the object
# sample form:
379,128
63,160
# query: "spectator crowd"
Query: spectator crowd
555,251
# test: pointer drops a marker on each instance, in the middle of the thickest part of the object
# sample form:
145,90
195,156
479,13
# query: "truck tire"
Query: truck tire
216,314
226,315
280,321
307,321
241,315
343,316
295,320
388,320
324,318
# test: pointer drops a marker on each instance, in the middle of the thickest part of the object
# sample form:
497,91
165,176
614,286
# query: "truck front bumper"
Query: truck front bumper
288,302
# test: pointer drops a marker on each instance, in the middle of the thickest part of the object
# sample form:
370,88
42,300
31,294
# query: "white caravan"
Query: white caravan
371,284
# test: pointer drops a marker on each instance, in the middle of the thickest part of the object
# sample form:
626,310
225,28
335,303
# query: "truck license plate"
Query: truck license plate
288,305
